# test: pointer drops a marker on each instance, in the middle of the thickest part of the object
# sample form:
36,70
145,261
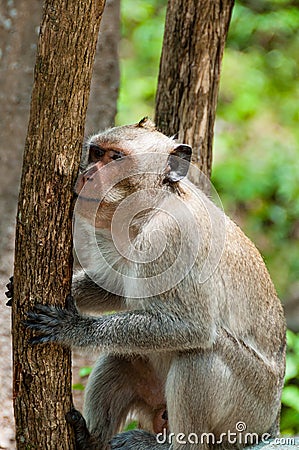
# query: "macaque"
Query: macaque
175,297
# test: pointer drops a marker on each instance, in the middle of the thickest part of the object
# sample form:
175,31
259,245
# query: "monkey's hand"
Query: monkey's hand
9,292
53,323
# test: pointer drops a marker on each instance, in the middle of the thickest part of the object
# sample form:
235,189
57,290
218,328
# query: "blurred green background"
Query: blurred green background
256,168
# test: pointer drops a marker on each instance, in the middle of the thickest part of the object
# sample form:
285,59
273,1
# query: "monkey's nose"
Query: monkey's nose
79,184
87,178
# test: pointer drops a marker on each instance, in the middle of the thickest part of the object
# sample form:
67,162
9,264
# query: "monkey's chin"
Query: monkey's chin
97,213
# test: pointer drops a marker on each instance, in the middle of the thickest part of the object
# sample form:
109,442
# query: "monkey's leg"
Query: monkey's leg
208,397
190,400
115,386
109,395
188,406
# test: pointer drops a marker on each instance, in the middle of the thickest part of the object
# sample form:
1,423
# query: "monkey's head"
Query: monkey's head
122,161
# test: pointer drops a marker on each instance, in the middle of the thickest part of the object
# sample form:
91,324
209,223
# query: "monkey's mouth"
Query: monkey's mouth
79,196
101,203
88,199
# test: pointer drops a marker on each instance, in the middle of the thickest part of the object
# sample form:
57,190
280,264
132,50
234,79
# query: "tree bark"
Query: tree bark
101,110
43,255
194,40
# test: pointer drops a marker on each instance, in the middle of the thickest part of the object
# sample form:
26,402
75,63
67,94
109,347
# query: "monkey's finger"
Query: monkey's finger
36,320
50,315
8,293
10,284
34,324
36,316
39,340
9,303
44,309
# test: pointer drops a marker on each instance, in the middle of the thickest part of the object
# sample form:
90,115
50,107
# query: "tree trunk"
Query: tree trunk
194,40
43,261
101,110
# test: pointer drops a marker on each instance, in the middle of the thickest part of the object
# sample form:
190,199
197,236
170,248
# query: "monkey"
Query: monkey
175,297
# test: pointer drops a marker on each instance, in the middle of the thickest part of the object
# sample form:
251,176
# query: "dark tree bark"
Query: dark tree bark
101,110
43,261
194,40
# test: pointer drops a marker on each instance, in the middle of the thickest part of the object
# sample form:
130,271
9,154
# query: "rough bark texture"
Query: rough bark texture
194,40
101,110
42,375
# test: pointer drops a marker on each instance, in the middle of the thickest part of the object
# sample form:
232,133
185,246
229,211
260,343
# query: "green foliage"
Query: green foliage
83,372
78,387
290,396
256,167
256,153
131,426
141,45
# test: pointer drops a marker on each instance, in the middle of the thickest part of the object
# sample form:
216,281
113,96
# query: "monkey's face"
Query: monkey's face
99,187
123,161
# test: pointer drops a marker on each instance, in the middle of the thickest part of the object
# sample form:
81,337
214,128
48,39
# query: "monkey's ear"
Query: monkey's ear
178,163
147,124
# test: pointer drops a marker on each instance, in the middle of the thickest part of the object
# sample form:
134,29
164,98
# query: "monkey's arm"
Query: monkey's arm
125,333
90,297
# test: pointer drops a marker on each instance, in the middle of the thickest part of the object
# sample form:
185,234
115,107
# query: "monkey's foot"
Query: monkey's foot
78,423
136,440
9,292
84,440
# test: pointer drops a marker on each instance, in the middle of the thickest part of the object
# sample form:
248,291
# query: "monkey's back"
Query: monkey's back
247,302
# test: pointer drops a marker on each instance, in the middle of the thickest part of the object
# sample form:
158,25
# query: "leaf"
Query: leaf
85,371
290,397
292,367
78,387
131,425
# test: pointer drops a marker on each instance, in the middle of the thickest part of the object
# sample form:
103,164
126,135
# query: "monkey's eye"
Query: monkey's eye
96,152
117,155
